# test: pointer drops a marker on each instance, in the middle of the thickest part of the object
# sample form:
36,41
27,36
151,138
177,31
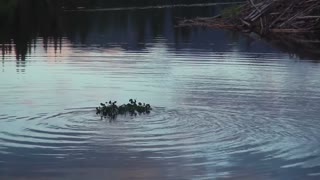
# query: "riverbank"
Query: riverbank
263,17
293,22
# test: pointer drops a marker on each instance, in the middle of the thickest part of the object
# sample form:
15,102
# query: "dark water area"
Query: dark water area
226,105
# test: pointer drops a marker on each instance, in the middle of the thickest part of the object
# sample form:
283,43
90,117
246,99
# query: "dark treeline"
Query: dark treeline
22,21
25,21
9,5
129,3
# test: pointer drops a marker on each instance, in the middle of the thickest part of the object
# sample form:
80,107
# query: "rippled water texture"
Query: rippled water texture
226,106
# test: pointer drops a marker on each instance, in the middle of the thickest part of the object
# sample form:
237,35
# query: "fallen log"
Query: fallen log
267,16
295,23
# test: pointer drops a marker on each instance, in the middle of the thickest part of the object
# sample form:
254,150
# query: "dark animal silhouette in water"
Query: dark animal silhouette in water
111,110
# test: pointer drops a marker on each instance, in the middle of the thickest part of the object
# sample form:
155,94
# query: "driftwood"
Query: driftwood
268,16
288,24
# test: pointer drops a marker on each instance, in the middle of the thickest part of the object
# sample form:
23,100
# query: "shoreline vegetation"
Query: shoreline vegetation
293,22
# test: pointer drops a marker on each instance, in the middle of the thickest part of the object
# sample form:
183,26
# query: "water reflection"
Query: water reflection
128,29
27,21
226,105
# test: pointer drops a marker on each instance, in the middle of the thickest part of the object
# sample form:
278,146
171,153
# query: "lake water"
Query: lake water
226,105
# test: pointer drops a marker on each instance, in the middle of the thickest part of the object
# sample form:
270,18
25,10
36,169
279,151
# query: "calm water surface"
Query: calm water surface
226,106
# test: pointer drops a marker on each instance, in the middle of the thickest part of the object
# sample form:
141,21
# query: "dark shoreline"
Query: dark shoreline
27,21
82,9
292,25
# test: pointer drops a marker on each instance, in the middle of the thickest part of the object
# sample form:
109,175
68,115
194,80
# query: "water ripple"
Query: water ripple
217,114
